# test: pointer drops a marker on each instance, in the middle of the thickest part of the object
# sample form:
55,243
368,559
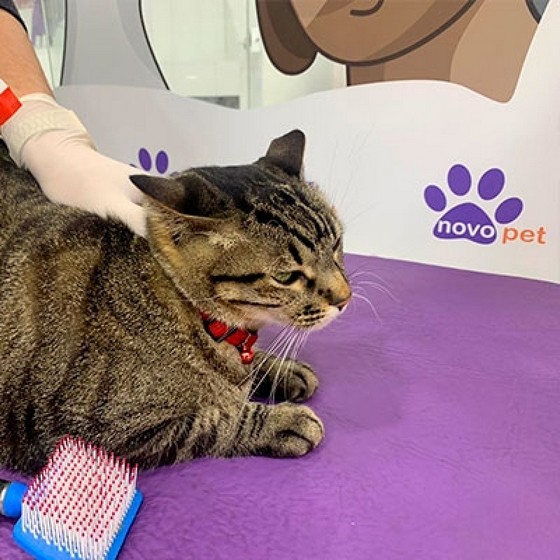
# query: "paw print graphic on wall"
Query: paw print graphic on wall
468,220
161,161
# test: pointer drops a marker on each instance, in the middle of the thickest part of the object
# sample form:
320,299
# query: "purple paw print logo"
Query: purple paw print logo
467,220
161,161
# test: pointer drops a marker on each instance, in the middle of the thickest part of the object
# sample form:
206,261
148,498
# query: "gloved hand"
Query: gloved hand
54,146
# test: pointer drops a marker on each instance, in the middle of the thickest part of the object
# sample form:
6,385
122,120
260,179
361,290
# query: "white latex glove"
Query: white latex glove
54,146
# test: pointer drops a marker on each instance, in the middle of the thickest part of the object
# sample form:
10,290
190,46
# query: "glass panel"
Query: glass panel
45,23
213,51
200,47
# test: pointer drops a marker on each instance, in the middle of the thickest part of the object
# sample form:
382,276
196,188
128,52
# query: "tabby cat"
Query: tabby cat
144,346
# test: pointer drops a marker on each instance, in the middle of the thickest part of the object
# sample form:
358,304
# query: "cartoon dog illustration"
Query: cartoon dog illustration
480,44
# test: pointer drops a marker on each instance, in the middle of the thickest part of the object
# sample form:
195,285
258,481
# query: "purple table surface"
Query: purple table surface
443,437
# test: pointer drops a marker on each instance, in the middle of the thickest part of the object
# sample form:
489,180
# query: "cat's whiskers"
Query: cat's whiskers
254,373
283,340
356,150
302,339
283,357
376,286
359,277
363,297
358,272
284,375
255,370
280,339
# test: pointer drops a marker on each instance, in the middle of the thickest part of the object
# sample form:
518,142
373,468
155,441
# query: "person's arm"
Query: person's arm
19,66
53,144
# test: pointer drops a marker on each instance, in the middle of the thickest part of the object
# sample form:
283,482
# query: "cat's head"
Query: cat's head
250,244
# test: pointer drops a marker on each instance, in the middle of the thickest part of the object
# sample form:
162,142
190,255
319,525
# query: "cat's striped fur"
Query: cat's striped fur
100,331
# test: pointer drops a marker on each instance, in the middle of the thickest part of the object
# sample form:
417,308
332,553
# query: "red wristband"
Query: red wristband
9,103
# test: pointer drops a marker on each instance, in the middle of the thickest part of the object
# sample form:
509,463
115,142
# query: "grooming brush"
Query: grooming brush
80,506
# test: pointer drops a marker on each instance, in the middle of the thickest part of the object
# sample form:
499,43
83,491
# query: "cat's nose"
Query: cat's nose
339,292
341,296
342,302
336,290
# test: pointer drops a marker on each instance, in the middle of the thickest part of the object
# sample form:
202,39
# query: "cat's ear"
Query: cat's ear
184,194
286,152
180,203
168,192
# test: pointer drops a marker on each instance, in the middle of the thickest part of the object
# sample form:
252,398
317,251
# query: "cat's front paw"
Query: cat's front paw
299,383
291,431
284,380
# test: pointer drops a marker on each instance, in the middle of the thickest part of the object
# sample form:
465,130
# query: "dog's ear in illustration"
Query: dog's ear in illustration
285,40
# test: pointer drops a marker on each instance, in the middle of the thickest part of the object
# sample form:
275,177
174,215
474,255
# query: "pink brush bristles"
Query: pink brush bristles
78,501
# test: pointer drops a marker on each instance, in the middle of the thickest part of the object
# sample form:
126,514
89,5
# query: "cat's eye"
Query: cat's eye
287,278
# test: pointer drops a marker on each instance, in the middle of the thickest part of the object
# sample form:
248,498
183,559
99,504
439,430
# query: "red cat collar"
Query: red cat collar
9,103
242,339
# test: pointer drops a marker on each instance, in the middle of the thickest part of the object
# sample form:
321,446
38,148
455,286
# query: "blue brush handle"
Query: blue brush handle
11,496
